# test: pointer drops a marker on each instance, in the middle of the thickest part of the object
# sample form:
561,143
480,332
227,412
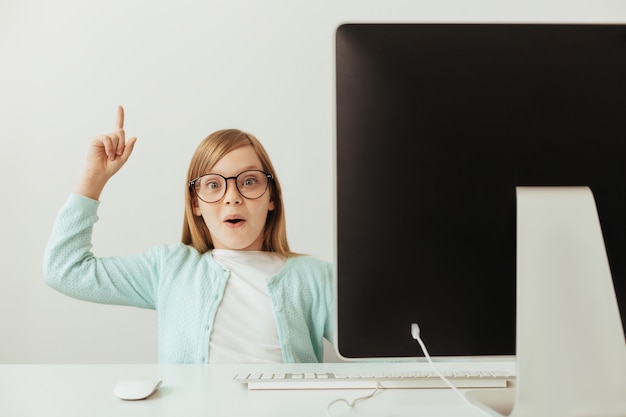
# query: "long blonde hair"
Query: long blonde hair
209,152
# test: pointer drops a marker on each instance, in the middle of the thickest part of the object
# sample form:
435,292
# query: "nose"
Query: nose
232,194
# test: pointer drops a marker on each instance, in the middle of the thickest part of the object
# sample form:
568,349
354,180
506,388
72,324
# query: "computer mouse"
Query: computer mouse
136,389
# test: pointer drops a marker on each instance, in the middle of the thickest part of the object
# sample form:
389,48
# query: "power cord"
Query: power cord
415,333
352,403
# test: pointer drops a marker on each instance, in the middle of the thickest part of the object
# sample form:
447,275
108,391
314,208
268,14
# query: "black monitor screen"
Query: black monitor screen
436,126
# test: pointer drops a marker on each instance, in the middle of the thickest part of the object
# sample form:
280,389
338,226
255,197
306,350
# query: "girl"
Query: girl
232,291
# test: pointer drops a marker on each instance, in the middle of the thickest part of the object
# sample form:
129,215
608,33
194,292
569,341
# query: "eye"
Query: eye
249,181
212,185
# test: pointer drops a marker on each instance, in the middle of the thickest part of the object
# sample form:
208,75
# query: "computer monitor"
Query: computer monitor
436,126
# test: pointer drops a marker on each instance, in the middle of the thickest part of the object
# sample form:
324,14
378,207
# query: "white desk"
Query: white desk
208,391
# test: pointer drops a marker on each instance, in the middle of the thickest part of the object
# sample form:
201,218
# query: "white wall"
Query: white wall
182,69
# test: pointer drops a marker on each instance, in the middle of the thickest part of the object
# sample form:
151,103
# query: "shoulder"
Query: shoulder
176,250
305,270
179,256
308,263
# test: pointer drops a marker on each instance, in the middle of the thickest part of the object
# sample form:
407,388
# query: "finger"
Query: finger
110,143
128,149
119,124
121,141
120,130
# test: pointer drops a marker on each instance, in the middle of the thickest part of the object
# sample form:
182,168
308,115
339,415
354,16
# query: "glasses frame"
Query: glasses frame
270,177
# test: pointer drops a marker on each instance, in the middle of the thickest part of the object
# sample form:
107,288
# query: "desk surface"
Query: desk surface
209,390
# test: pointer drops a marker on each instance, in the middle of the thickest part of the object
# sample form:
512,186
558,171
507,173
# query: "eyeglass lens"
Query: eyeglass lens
212,187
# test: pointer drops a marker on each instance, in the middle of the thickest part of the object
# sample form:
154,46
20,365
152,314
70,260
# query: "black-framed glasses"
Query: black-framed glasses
211,188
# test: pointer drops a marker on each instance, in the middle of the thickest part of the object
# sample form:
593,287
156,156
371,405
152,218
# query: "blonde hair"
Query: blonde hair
209,152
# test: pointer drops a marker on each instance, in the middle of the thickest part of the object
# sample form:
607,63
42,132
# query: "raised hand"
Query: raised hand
107,154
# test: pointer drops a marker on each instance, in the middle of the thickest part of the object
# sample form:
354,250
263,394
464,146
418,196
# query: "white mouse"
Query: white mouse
136,389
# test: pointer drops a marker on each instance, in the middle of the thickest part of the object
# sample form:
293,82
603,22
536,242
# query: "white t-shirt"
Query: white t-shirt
245,328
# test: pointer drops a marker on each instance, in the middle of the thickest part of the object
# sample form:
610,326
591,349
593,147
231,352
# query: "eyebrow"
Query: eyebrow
247,168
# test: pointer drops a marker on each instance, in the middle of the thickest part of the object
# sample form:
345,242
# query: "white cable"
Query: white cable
351,404
415,333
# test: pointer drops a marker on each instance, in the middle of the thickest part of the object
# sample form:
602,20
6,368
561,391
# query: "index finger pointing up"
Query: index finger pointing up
120,118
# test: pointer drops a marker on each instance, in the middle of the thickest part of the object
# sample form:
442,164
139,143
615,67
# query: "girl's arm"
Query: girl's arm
70,267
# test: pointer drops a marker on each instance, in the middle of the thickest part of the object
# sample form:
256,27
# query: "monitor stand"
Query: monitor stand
570,345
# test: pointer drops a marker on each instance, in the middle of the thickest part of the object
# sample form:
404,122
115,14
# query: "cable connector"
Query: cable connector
415,331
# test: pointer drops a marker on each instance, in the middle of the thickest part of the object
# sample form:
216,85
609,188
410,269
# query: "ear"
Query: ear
270,206
195,207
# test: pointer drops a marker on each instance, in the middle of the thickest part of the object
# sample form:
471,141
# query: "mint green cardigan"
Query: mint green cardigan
185,287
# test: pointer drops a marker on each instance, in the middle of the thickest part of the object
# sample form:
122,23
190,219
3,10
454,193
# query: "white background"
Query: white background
182,69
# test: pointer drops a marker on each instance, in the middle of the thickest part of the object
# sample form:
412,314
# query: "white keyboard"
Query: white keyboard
334,380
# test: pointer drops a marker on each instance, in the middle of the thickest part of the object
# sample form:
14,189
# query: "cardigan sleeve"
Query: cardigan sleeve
70,267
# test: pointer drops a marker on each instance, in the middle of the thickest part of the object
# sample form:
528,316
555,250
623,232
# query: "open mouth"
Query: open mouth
234,221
